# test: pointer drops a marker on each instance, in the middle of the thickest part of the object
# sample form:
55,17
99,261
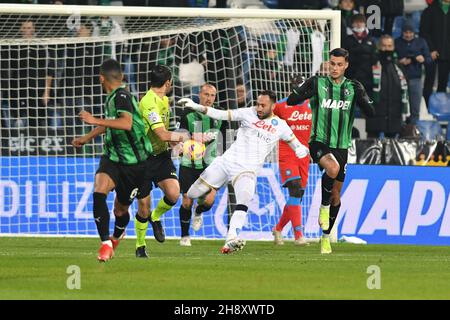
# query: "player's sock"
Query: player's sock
334,210
237,221
120,225
185,221
163,206
295,214
101,215
202,208
327,186
284,219
140,225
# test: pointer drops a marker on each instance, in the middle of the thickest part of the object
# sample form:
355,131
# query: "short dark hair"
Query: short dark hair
111,70
339,52
159,74
270,93
359,18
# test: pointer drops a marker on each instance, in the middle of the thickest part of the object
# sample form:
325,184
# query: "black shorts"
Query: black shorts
129,179
159,168
318,149
187,177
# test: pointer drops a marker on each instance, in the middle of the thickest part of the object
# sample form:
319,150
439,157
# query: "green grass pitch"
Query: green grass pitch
36,268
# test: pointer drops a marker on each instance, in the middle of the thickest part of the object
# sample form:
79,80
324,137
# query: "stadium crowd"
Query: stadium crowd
397,64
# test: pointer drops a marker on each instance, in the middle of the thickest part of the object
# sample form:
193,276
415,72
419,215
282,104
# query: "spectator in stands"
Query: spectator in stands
390,9
79,87
413,53
24,69
435,29
347,8
362,51
390,93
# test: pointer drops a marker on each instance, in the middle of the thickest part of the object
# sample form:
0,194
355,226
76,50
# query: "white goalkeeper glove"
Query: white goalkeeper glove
301,151
186,102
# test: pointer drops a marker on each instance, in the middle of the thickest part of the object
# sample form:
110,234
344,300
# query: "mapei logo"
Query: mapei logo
334,104
263,125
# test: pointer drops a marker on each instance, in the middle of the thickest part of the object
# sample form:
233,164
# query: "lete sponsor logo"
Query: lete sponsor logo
265,126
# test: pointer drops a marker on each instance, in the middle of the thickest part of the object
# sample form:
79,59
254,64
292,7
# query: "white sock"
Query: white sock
237,222
108,242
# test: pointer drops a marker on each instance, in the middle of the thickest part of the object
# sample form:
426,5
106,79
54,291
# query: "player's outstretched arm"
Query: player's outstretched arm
302,91
363,100
124,122
81,141
228,115
170,136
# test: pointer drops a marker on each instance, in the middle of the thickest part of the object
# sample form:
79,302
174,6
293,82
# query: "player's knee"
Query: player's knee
173,196
186,202
333,171
295,189
144,208
197,190
120,211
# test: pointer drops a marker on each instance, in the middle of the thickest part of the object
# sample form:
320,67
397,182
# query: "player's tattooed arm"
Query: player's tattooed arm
302,91
363,100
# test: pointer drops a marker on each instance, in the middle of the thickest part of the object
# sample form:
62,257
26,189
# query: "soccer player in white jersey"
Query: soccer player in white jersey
259,133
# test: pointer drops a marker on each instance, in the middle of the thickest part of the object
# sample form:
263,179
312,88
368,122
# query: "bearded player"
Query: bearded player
293,171
259,133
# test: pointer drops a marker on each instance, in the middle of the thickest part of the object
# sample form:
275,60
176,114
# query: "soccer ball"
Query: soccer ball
193,150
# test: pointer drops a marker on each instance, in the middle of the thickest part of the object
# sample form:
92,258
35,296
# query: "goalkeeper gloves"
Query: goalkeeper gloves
301,151
186,102
296,82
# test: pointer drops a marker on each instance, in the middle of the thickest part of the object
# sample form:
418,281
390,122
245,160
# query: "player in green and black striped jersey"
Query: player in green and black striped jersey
197,154
124,162
333,100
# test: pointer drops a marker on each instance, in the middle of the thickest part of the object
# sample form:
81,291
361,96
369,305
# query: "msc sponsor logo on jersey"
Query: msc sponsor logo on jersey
296,116
261,124
299,127
335,104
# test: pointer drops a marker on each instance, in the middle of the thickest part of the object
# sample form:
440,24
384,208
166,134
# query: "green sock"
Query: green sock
163,206
141,231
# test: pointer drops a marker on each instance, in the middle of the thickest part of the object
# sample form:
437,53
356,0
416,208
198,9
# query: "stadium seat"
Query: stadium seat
439,106
429,129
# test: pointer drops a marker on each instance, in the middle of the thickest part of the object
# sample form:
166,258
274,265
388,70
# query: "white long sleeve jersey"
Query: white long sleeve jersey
256,138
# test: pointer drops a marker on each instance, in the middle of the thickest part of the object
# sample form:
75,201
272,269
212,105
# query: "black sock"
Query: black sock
169,202
201,208
334,210
101,215
140,219
185,221
120,225
327,186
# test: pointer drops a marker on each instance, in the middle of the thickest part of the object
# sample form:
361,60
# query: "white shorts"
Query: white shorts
221,171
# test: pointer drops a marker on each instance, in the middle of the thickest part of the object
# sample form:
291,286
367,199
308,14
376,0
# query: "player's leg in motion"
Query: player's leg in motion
103,185
335,204
122,219
141,225
292,212
244,187
204,204
331,166
171,190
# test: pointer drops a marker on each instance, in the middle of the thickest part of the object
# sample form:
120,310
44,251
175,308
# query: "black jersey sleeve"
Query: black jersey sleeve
363,100
303,91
